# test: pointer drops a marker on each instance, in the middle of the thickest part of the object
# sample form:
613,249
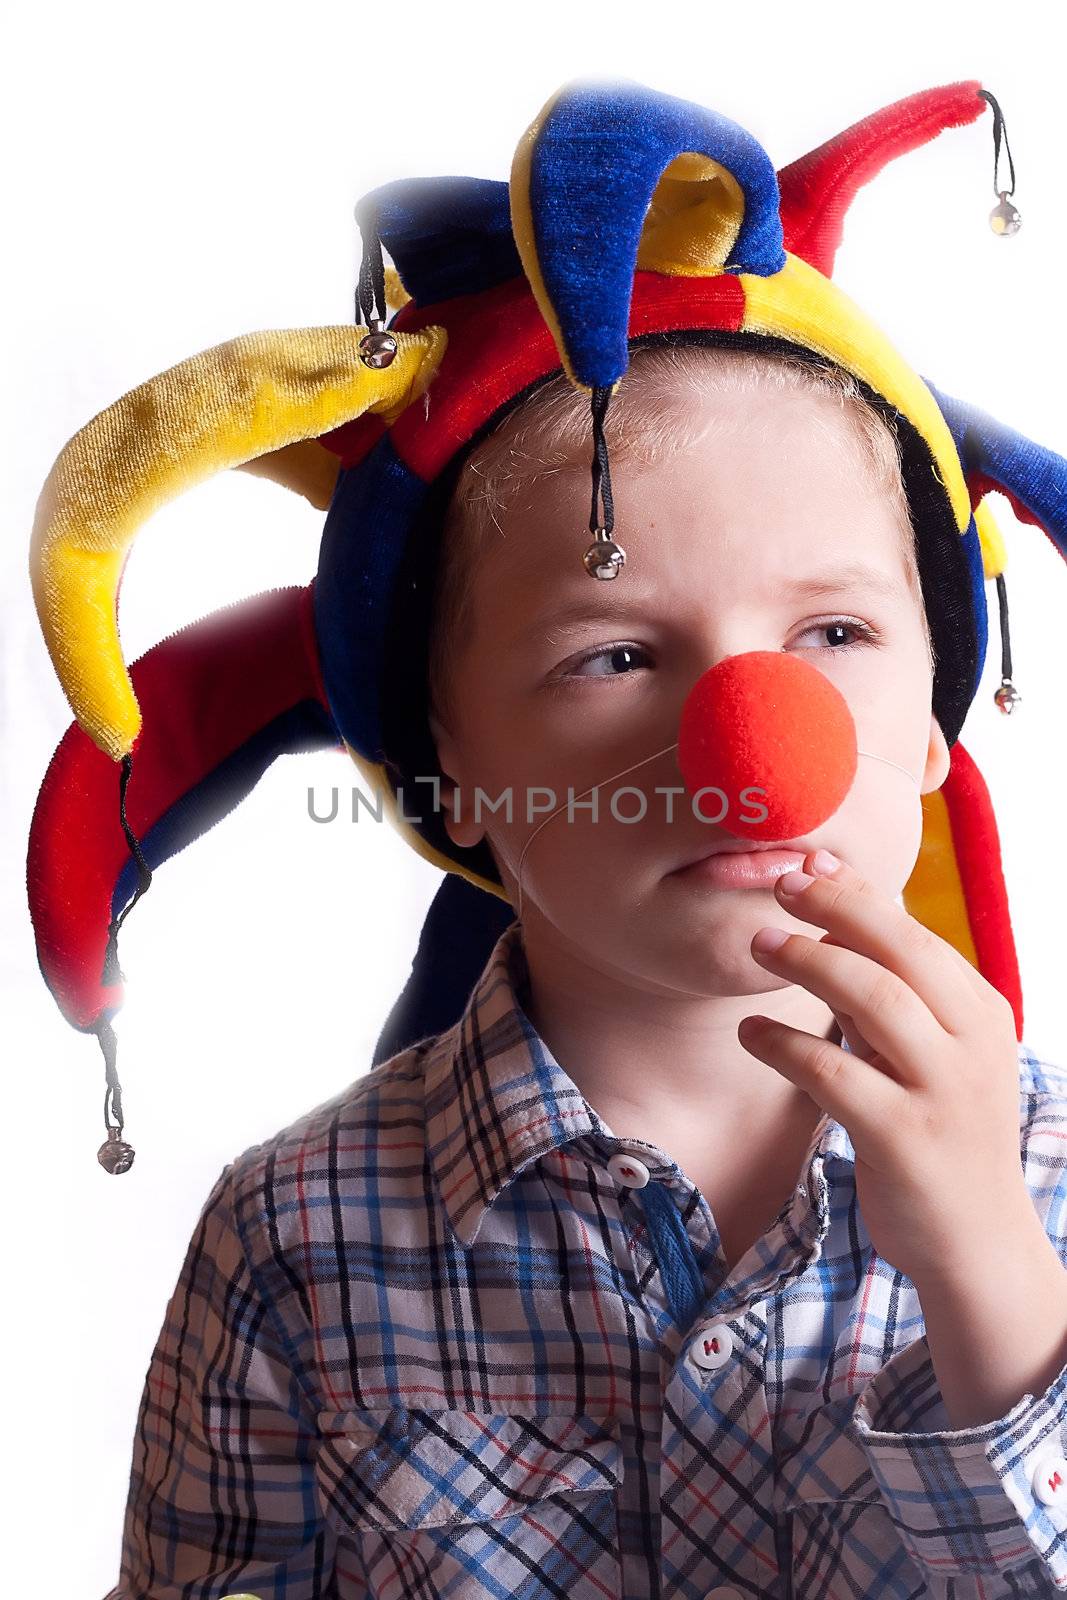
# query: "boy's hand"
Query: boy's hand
930,1096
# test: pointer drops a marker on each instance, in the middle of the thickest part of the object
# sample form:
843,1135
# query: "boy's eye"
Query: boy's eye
619,659
865,634
618,656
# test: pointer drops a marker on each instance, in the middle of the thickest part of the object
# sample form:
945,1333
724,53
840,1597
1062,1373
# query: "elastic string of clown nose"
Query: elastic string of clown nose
644,762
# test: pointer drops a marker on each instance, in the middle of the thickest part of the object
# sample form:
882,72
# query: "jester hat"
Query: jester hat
631,218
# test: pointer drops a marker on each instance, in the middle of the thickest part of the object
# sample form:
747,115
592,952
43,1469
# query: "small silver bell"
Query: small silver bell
115,1155
1004,218
604,558
378,347
1007,697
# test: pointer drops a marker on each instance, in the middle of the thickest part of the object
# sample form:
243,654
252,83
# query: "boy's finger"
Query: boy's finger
865,1100
864,918
853,1037
889,1013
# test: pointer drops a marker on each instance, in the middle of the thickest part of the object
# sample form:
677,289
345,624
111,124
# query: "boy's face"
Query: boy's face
714,537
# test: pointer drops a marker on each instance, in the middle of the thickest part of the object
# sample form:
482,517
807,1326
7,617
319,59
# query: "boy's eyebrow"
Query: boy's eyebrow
852,575
615,608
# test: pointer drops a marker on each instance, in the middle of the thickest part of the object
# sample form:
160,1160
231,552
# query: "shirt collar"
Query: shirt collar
497,1099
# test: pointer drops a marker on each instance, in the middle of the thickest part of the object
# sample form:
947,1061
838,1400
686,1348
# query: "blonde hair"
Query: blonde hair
550,429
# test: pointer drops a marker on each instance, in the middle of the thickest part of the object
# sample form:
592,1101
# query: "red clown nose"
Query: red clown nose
768,732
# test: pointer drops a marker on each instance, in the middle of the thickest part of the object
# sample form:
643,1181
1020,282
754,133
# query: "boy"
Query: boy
435,1337
601,1291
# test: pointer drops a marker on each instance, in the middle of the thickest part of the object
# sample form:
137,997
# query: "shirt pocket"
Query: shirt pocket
841,1539
476,1503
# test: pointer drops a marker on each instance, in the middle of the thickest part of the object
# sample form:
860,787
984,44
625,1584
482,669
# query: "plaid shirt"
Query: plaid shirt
425,1343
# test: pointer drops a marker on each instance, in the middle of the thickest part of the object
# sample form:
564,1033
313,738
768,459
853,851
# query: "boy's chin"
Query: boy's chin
709,955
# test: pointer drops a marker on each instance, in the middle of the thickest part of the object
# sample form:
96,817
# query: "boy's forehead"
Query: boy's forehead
797,455
678,544
783,497
569,609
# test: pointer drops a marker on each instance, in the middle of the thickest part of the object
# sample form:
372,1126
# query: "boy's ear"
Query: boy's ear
460,829
447,754
938,758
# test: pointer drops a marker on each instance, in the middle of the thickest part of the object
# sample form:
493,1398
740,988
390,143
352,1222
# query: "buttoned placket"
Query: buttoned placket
710,1325
677,1248
719,1339
663,1196
708,1353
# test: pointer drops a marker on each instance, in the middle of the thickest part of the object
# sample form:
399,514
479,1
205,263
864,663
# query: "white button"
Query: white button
1050,1481
713,1346
627,1169
724,1594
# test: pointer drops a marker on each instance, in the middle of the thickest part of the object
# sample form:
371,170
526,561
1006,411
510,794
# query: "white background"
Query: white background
178,175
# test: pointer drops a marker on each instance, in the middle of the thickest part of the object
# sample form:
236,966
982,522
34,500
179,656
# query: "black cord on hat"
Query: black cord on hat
604,558
1003,218
370,292
999,127
144,877
115,1155
601,399
1007,696
378,348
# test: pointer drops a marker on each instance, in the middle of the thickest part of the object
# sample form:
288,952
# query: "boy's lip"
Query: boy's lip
732,846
